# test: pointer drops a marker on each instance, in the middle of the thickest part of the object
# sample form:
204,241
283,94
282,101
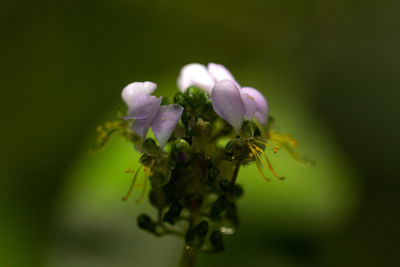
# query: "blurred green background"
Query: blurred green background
330,71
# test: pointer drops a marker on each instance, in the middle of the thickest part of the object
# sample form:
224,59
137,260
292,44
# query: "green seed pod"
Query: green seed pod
173,213
212,174
201,229
233,190
144,222
218,207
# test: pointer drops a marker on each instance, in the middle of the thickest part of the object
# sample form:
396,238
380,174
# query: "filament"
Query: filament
257,158
143,190
132,185
269,165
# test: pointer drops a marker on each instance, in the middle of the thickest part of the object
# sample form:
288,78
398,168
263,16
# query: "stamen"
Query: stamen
275,148
256,159
125,198
143,190
284,138
269,165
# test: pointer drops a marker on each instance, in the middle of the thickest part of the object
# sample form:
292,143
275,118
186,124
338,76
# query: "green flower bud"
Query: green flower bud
145,159
181,151
186,116
150,147
249,129
179,99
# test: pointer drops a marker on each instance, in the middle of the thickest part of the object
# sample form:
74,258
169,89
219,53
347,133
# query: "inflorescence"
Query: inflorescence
213,127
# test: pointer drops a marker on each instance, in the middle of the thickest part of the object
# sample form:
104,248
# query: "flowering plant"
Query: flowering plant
213,127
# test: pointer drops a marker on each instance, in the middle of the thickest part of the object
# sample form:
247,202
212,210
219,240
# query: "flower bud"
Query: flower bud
179,99
250,129
181,151
150,147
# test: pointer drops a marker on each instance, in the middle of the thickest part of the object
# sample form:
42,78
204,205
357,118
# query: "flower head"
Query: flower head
216,76
148,112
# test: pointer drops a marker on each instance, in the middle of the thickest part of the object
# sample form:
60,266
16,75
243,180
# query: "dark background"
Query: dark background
64,64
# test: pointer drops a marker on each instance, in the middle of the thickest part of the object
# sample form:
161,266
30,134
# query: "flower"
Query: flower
149,113
203,77
207,78
234,104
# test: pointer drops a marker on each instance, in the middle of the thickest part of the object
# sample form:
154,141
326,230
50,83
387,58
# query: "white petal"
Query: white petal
195,74
219,73
137,88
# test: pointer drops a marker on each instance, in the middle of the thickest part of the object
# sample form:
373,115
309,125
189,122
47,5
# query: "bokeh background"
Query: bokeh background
330,71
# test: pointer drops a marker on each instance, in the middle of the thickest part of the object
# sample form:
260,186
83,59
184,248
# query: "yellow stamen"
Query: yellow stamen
132,185
143,190
276,147
269,165
283,138
256,159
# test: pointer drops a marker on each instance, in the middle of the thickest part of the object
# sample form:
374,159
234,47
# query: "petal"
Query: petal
262,109
137,88
227,102
219,73
249,105
143,107
196,75
165,121
141,127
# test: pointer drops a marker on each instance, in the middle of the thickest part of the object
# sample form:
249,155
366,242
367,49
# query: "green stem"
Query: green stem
235,172
189,256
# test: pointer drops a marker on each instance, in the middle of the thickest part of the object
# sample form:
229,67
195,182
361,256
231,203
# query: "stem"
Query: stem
189,256
235,172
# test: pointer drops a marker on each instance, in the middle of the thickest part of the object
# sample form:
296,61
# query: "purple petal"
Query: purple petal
143,107
165,121
219,73
249,105
262,109
195,74
227,103
141,127
137,88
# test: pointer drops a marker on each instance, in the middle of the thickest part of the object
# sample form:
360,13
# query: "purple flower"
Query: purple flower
148,112
234,104
207,78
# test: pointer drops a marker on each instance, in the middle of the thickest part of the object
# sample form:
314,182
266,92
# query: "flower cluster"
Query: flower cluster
192,177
